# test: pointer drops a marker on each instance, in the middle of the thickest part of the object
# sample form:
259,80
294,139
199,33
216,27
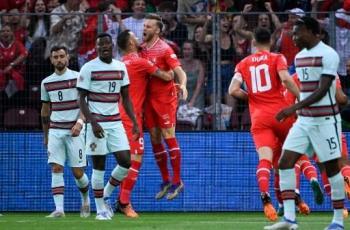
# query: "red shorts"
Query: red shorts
160,113
136,147
267,131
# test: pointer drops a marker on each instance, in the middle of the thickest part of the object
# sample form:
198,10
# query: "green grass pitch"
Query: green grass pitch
161,221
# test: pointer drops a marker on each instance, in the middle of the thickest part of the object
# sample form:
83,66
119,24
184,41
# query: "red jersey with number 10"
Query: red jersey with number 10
161,54
259,71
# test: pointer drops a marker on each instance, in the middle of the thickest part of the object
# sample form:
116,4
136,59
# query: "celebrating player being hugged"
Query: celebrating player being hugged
63,130
264,72
140,70
101,83
161,105
318,127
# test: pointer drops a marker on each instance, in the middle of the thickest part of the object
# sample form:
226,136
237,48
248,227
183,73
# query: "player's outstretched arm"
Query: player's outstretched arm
45,120
182,79
97,129
288,82
129,110
235,87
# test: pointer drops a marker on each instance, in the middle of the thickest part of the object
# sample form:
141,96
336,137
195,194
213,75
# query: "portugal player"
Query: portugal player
264,72
140,71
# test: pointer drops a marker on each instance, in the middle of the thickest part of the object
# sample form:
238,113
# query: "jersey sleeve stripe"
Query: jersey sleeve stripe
60,85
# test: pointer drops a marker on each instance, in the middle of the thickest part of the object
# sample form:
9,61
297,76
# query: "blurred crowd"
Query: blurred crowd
29,28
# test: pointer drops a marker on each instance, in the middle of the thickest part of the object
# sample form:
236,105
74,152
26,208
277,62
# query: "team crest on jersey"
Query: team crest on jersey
93,147
81,78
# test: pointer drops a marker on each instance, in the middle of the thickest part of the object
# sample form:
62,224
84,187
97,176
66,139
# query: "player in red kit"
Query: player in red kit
161,104
140,71
264,74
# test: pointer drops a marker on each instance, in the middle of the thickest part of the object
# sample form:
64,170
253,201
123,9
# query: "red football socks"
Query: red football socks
175,159
129,182
263,175
162,160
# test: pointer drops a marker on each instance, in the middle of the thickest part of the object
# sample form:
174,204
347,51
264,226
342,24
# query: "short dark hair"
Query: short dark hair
102,35
262,35
57,48
167,5
158,19
122,39
310,24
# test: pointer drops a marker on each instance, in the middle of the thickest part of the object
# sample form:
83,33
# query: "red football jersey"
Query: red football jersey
139,71
265,90
161,54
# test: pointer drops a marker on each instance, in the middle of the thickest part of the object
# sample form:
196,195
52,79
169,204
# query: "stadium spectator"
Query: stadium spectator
263,74
161,105
37,66
228,56
175,31
139,70
52,4
192,13
63,133
263,21
202,43
285,44
342,30
243,45
135,22
101,83
18,24
316,62
39,24
195,72
12,55
66,24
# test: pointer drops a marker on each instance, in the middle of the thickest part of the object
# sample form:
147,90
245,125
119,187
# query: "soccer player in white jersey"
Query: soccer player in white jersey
318,127
62,130
101,83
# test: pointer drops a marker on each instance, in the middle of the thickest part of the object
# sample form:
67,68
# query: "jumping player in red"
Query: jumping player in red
140,71
264,74
161,105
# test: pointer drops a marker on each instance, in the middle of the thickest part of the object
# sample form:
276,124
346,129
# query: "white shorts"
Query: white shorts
114,140
323,140
63,147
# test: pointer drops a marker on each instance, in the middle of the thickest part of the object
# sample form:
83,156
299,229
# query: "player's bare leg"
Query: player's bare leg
82,182
161,158
177,185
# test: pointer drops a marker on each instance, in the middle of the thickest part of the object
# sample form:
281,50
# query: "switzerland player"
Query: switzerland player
161,104
264,72
140,70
